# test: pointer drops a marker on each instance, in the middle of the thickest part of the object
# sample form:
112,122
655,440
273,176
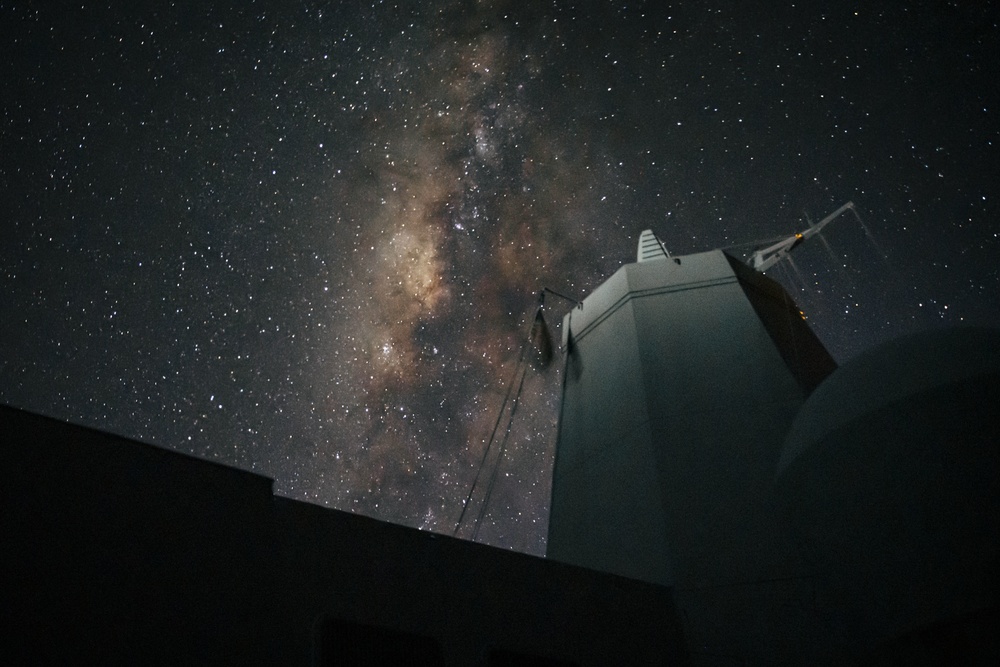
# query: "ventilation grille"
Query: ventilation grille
650,247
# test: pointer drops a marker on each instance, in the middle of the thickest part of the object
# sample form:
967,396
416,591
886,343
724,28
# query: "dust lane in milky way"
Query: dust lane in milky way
462,215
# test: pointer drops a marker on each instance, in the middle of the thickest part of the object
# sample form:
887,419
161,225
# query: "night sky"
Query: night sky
305,238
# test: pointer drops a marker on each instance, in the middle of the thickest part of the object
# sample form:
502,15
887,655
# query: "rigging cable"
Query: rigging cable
520,367
503,447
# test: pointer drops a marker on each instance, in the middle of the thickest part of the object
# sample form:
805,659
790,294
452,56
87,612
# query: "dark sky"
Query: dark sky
304,238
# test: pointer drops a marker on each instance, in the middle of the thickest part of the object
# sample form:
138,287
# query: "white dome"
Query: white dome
887,374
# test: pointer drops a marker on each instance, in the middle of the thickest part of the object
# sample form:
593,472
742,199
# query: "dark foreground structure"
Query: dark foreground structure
116,552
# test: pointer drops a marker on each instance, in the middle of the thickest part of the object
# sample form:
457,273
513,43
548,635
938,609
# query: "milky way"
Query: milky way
307,240
461,215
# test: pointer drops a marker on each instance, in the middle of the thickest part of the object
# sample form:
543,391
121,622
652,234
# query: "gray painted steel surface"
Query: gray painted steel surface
676,402
682,377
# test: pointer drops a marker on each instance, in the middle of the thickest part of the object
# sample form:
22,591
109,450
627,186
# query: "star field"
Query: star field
305,238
